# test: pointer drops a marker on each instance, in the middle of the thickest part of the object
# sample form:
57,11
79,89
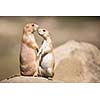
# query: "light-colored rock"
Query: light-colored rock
77,62
24,79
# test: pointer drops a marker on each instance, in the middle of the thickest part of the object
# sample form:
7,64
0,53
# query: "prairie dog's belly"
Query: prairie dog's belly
27,54
48,61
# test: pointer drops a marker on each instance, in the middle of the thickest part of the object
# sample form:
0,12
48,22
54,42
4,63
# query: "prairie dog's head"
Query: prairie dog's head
30,28
43,32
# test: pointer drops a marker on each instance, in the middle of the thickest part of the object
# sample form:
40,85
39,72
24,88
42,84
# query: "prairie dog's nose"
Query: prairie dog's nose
40,31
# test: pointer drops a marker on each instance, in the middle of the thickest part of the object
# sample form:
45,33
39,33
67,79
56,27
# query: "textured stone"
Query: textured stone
24,79
77,62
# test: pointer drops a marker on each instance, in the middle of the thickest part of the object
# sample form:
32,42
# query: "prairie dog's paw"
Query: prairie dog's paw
50,78
42,53
39,52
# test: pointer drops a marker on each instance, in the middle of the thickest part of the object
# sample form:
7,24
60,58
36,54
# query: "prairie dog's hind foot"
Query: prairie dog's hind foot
50,78
50,73
36,74
46,73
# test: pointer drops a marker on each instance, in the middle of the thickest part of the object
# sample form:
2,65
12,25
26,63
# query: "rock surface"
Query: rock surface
24,79
77,62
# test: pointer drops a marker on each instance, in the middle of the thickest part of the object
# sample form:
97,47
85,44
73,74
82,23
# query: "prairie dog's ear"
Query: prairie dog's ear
50,34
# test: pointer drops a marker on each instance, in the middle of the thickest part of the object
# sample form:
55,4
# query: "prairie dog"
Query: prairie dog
27,54
46,55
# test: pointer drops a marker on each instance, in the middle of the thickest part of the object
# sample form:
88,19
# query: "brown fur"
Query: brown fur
27,54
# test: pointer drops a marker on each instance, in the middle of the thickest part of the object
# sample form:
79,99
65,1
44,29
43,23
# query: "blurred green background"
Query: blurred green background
62,29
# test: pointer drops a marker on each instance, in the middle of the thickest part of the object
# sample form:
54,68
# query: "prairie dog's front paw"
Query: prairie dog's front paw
39,52
42,53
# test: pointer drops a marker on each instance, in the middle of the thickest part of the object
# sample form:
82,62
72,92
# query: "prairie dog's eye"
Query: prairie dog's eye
32,24
43,30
